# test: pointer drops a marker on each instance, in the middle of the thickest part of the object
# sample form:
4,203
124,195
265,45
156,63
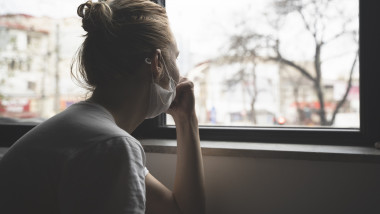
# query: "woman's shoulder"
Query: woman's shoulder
115,150
80,127
82,122
120,144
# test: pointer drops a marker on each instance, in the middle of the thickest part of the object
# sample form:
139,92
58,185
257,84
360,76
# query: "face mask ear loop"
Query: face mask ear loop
170,78
167,72
156,83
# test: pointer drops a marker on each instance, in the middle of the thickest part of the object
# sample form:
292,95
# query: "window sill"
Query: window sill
272,150
267,150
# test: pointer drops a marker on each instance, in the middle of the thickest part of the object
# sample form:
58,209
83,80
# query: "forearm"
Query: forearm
189,180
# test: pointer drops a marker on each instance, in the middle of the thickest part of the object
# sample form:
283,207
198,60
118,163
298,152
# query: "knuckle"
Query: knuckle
189,84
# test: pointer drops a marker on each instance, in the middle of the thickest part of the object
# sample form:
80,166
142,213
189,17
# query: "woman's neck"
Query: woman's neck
127,104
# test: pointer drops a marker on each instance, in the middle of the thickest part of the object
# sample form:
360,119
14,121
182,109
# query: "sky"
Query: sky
51,8
203,27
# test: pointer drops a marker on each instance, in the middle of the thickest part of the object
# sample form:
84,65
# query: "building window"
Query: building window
31,85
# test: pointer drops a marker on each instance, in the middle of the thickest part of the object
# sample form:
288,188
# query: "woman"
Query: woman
84,160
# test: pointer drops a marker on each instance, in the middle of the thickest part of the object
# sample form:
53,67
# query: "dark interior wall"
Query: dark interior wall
237,185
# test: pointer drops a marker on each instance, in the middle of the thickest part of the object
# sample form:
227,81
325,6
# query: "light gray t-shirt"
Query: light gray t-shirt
78,161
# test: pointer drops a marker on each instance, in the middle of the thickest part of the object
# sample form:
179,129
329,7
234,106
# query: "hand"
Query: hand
183,105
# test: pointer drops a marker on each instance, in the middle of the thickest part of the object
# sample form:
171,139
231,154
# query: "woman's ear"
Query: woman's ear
157,67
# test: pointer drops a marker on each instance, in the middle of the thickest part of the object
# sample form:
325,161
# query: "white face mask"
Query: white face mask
160,98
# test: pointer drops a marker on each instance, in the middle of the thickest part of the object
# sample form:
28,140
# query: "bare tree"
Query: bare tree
240,53
267,47
249,82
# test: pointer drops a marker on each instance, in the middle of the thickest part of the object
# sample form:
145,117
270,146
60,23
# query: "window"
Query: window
264,98
256,76
271,63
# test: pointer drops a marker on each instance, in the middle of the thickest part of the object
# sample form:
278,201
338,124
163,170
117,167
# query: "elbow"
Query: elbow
197,207
200,205
202,208
194,210
192,206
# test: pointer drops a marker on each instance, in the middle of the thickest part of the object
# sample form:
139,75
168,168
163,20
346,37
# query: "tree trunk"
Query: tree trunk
253,111
301,115
317,85
321,112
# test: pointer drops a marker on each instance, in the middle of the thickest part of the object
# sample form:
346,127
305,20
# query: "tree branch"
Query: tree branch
341,102
307,25
336,36
293,65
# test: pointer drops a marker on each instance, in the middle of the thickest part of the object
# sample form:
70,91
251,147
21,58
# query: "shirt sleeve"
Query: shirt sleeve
107,177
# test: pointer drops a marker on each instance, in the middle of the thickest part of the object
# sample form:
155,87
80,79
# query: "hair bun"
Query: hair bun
96,16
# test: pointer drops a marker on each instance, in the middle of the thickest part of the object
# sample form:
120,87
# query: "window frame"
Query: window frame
368,133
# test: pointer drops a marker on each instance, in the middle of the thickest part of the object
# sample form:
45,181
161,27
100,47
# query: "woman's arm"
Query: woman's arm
189,179
188,195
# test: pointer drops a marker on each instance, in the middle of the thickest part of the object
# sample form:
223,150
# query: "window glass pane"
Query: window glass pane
38,39
270,63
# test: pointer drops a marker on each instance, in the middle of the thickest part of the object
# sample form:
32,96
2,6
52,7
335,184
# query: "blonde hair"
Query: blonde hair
120,35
